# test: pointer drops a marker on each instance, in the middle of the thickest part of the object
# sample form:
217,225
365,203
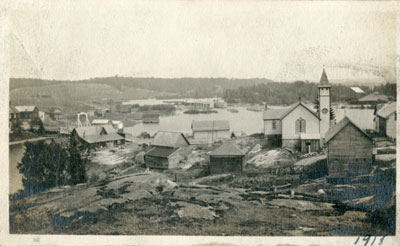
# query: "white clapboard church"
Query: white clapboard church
300,127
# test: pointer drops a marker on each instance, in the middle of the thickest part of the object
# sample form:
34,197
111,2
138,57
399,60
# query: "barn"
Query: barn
350,150
165,149
210,131
227,158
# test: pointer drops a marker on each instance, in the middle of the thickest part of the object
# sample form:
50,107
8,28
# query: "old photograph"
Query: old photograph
203,118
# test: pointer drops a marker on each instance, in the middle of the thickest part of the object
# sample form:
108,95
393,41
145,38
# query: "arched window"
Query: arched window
300,125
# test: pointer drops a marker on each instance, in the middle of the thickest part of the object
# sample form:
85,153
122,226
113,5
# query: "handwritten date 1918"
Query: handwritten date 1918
369,240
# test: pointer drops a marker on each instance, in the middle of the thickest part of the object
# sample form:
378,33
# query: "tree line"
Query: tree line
287,93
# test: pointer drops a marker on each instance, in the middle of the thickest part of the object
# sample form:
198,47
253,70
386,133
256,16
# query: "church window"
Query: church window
300,125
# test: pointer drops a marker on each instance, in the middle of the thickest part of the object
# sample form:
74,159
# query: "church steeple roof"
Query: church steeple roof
324,79
324,82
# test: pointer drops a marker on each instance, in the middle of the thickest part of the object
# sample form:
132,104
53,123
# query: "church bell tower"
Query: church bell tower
324,90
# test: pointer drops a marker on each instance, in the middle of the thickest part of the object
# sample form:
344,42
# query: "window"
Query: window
274,124
395,116
300,125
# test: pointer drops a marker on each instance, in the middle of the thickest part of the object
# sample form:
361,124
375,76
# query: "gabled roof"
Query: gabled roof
97,134
273,114
25,108
227,149
101,121
294,106
214,125
109,129
339,126
88,130
374,97
168,139
161,152
387,110
280,114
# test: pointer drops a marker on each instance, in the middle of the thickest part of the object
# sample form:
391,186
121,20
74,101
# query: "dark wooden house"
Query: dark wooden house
350,150
227,158
165,149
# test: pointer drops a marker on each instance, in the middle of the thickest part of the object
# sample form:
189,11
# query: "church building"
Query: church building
300,127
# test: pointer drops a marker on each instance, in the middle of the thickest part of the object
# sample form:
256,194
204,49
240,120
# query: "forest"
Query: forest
288,93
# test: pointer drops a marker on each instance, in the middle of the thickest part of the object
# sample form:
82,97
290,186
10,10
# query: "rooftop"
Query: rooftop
163,152
227,149
168,139
387,110
339,126
215,125
25,108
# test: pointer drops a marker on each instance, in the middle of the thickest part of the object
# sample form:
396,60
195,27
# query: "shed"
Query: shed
160,157
350,150
227,158
55,113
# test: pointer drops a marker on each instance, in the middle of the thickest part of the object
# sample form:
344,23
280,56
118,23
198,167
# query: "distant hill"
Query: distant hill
181,87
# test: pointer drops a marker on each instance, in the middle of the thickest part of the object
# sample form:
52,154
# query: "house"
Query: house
210,131
299,127
373,98
55,113
27,113
101,122
385,121
227,158
151,118
350,150
95,136
165,149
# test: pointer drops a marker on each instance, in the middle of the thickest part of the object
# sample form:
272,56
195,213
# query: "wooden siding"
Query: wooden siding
349,153
228,164
314,145
156,162
289,123
391,126
210,136
268,130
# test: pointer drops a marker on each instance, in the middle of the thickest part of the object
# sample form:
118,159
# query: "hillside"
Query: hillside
183,87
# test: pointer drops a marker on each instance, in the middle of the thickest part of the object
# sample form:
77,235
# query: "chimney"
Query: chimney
265,106
299,99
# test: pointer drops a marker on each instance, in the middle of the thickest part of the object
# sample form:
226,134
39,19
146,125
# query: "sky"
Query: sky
283,41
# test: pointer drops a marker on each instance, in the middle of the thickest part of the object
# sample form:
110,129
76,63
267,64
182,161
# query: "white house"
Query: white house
385,121
210,131
299,127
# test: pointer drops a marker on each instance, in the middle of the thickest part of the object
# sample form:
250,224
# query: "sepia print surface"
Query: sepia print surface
200,118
